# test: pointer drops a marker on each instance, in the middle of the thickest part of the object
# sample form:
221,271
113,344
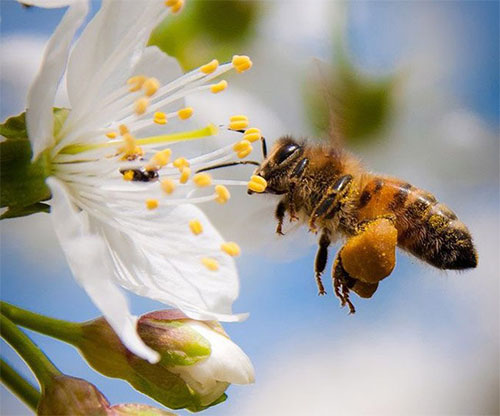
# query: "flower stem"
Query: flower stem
18,385
36,360
69,332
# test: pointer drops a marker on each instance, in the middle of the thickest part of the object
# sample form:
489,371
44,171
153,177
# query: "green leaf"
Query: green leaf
23,181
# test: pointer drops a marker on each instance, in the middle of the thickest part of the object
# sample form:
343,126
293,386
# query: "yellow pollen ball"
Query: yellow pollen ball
185,174
210,263
242,145
210,67
160,114
222,194
135,83
128,175
257,184
220,86
151,203
168,186
195,227
202,180
111,134
231,248
140,106
170,3
123,129
150,86
185,113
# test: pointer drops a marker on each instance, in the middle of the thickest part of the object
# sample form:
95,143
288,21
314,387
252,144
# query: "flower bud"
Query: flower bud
65,395
198,360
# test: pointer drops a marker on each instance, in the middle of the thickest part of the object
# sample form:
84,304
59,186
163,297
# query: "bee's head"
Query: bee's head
278,165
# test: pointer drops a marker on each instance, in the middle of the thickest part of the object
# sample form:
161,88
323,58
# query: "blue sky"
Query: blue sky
439,314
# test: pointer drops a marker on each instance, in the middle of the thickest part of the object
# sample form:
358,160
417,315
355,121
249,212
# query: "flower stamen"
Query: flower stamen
210,263
195,227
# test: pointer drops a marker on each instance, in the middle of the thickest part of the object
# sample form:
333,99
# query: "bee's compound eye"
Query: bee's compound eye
285,152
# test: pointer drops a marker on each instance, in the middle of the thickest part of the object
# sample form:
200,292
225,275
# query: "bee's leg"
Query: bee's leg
280,214
292,209
342,283
370,255
329,203
295,177
321,259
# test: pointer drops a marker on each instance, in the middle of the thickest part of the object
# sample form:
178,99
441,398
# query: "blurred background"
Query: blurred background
416,85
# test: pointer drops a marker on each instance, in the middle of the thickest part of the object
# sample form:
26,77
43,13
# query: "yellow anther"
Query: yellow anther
185,174
244,153
159,159
128,175
241,146
241,63
210,263
177,6
238,125
141,105
181,162
210,67
257,184
111,134
252,134
238,117
129,142
160,120
151,203
231,248
195,227
202,180
185,113
160,114
220,86
123,129
135,83
170,3
222,194
168,186
150,86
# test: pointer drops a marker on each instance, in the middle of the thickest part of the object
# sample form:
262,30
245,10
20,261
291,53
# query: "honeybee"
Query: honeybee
328,189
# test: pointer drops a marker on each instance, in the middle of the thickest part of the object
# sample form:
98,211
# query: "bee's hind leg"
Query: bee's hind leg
364,260
321,259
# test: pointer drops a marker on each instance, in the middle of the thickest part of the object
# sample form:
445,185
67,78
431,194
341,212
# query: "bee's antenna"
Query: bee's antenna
225,165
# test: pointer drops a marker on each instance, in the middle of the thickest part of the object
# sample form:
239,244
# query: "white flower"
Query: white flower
110,176
227,364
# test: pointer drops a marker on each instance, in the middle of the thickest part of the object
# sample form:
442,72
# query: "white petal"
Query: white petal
160,258
108,48
227,363
87,256
48,4
43,90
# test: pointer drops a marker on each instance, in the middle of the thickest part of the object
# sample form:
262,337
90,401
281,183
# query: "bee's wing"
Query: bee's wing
323,82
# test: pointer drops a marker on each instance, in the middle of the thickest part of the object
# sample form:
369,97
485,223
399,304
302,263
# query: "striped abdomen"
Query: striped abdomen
426,228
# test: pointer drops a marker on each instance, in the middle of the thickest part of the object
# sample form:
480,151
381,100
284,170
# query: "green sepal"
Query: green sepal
23,180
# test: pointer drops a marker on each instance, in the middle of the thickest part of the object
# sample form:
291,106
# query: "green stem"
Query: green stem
18,385
69,332
41,366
